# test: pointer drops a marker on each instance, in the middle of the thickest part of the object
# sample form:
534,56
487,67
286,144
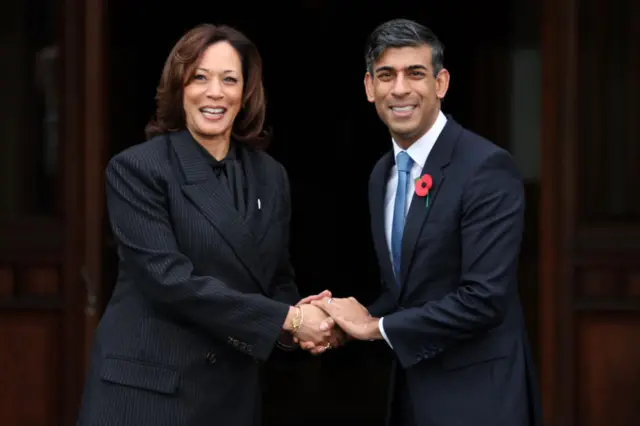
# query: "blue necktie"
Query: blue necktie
403,163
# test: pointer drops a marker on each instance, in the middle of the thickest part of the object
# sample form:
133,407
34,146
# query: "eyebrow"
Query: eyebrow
409,68
209,71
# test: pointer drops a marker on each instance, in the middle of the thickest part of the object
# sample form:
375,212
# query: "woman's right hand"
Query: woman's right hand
310,329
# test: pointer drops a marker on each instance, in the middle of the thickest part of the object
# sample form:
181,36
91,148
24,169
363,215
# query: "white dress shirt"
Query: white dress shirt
418,151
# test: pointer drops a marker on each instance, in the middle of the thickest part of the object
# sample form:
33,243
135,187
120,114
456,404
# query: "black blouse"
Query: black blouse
230,174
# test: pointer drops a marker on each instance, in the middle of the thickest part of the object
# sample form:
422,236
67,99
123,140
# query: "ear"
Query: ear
442,83
368,87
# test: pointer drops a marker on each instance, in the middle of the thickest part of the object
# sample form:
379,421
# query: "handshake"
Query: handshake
319,322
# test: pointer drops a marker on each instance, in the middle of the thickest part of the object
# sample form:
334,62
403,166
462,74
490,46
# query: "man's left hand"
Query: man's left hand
322,295
351,317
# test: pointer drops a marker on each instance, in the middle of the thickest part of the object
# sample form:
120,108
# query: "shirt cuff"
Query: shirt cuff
381,328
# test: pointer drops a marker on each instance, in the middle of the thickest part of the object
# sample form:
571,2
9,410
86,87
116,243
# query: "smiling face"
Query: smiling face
406,94
213,96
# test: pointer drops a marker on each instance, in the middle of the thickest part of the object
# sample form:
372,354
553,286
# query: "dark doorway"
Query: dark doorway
327,136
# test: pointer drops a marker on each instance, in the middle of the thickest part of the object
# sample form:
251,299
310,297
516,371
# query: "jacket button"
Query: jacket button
211,358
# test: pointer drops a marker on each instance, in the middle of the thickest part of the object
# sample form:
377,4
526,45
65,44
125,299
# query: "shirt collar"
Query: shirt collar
420,149
231,155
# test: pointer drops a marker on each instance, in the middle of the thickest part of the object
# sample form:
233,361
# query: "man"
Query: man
447,220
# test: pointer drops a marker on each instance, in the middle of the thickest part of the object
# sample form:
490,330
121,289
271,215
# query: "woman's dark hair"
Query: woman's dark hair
180,67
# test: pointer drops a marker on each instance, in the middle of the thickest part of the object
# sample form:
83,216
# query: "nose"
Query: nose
214,89
401,86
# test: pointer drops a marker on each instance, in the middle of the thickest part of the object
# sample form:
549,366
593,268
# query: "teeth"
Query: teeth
404,108
213,110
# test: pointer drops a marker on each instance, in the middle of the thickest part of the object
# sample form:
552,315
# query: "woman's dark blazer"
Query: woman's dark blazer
202,293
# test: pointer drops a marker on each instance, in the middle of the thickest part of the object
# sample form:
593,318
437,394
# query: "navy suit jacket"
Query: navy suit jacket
201,295
454,318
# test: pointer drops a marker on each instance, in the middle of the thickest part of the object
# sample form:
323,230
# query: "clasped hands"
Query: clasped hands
321,322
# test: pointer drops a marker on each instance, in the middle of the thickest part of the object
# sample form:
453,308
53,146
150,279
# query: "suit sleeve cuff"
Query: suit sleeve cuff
384,335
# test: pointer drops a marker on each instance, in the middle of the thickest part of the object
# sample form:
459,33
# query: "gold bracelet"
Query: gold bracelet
301,319
297,321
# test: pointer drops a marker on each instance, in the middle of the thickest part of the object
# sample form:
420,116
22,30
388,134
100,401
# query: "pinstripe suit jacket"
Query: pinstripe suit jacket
201,294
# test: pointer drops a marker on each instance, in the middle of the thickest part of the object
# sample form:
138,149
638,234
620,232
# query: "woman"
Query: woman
205,287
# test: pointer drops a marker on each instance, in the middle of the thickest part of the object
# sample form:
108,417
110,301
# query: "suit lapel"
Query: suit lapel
261,197
418,214
378,189
215,203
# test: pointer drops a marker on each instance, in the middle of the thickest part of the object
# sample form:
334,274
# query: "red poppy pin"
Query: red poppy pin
423,185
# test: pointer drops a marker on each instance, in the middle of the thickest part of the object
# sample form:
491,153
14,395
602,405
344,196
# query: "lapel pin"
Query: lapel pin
423,185
259,205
